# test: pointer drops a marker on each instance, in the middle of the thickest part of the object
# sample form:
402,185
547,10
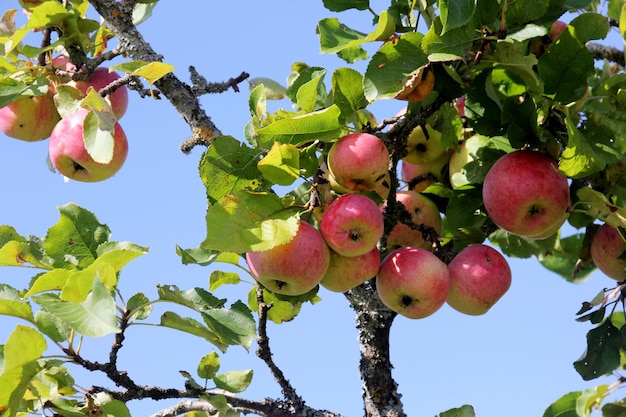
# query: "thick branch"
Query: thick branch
373,322
609,53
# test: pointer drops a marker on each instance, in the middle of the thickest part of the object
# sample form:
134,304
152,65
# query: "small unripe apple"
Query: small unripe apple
423,211
424,147
525,194
101,78
608,252
29,118
479,277
465,154
346,272
413,282
352,224
295,267
70,157
359,162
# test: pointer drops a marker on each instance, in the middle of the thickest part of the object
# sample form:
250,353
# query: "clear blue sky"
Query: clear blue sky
513,361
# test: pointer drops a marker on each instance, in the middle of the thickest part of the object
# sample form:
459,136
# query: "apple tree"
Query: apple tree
512,141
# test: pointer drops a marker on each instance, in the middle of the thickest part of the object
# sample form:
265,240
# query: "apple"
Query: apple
479,277
427,172
295,267
541,45
352,224
68,154
459,103
413,282
359,162
422,211
423,147
525,194
101,78
556,29
346,272
607,251
465,154
29,118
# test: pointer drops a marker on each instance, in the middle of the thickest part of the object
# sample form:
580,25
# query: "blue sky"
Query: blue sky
514,361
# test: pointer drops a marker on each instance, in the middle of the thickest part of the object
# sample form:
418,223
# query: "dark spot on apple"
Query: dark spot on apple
406,301
280,284
78,167
420,147
358,181
355,235
418,211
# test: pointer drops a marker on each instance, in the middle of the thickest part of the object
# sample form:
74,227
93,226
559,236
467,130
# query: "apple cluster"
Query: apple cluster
34,118
344,251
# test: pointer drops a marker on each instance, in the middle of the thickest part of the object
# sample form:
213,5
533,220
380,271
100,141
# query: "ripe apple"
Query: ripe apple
556,29
465,154
352,224
346,272
29,118
607,251
424,147
525,194
295,267
459,103
413,282
428,172
68,154
422,211
359,162
479,277
101,78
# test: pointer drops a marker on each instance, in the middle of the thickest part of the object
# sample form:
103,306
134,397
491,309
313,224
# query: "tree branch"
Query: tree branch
373,322
119,18
609,53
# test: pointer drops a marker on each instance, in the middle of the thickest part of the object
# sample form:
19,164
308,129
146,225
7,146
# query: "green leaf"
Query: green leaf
564,257
564,68
198,299
284,308
318,125
11,304
94,317
151,71
579,158
564,406
188,325
590,399
341,5
449,46
74,239
348,91
603,351
464,411
228,166
518,67
209,365
596,205
197,256
249,221
520,12
234,326
140,306
110,407
98,134
273,89
392,65
456,13
22,349
590,26
521,247
219,278
143,11
234,381
52,326
281,165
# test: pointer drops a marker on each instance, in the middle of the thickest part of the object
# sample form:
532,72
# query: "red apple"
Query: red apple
346,272
101,78
607,251
352,225
525,194
479,277
413,282
295,267
359,162
459,103
70,157
556,29
422,211
29,118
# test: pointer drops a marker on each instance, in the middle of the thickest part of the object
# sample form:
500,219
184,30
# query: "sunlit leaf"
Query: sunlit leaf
234,381
281,165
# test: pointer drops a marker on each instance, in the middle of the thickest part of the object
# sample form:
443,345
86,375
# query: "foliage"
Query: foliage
522,90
